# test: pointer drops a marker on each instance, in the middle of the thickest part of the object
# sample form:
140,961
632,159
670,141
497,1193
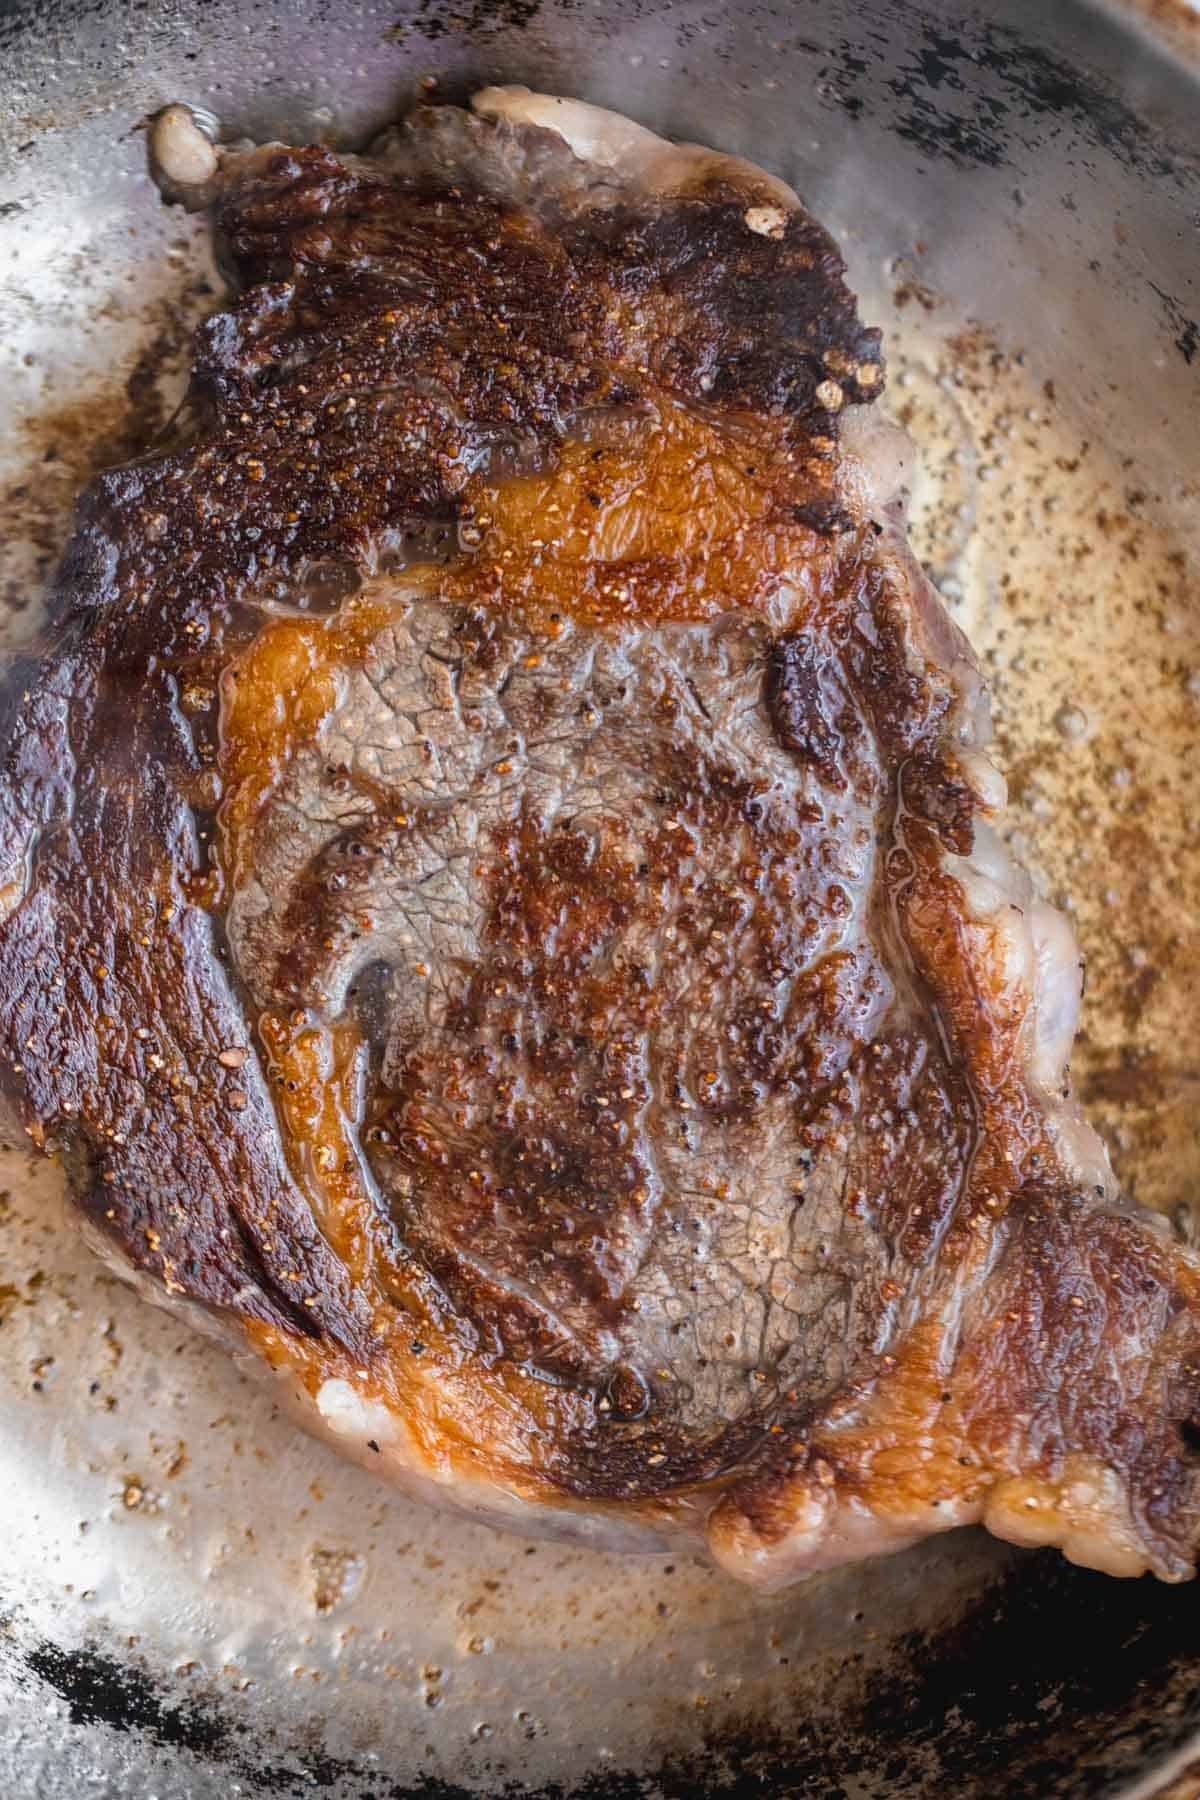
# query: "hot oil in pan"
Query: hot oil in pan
80,400
1084,606
168,1514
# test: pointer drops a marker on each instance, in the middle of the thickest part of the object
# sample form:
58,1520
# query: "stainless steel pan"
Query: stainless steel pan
195,1601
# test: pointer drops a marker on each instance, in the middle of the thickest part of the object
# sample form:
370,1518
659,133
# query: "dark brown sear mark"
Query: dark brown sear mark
804,697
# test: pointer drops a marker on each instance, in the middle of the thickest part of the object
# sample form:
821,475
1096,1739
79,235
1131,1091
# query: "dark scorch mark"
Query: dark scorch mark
1186,330
971,96
1005,1687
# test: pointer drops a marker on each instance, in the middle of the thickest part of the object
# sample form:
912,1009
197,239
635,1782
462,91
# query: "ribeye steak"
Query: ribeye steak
500,904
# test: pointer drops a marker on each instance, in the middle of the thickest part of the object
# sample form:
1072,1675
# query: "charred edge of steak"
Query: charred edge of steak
375,349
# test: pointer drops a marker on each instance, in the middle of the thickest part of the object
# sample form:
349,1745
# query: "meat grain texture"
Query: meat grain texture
500,905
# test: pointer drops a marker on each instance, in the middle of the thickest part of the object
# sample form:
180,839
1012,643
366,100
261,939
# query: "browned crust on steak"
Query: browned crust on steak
386,331
414,374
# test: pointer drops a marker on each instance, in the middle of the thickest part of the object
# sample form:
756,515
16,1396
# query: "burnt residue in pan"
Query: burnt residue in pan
988,1708
969,92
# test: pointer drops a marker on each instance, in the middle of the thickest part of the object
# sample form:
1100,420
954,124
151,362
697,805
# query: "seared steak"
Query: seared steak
501,908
